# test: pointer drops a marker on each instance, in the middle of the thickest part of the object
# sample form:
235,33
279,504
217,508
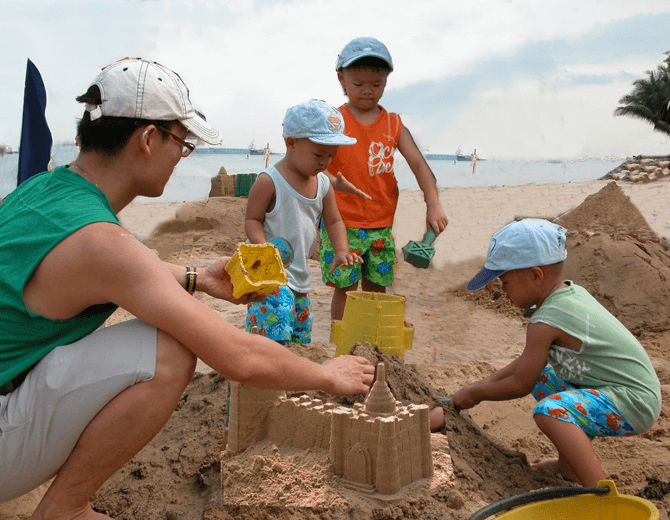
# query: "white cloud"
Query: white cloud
247,61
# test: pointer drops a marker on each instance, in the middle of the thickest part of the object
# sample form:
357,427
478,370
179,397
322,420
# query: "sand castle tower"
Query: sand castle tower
248,409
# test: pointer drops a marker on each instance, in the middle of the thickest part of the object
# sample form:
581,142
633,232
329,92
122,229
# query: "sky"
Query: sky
511,79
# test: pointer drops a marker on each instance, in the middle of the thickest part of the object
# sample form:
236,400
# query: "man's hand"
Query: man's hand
216,282
349,375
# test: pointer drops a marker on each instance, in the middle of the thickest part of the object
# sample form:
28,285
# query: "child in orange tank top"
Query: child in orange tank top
362,69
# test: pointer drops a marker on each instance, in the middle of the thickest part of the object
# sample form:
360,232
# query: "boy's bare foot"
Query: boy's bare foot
555,466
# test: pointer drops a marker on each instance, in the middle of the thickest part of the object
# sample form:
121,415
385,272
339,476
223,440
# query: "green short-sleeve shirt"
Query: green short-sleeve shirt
610,360
34,218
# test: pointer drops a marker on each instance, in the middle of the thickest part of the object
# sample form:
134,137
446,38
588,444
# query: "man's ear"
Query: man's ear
290,143
146,135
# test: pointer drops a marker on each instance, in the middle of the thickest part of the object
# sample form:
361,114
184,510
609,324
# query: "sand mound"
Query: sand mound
614,254
608,210
496,300
628,276
201,229
176,474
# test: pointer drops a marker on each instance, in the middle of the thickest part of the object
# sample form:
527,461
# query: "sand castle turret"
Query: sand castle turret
380,400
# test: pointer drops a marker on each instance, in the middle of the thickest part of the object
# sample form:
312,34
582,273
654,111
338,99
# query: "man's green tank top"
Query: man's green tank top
34,218
611,360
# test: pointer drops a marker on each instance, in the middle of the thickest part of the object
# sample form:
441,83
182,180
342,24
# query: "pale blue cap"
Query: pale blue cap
317,121
361,48
523,243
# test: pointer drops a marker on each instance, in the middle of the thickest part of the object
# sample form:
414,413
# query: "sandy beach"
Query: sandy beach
618,249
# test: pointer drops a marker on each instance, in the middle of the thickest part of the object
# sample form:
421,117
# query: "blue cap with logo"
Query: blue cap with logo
317,121
363,47
521,244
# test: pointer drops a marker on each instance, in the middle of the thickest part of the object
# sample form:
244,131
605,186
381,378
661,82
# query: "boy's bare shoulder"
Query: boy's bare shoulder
264,181
263,189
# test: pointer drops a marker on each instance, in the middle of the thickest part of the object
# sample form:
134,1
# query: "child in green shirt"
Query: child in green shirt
600,381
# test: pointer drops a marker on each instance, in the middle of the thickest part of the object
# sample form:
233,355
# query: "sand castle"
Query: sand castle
379,445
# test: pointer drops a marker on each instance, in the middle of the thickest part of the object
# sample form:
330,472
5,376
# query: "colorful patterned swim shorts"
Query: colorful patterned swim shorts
375,246
284,316
589,409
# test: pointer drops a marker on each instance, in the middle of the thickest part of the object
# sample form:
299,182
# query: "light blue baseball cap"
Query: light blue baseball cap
317,121
360,48
526,242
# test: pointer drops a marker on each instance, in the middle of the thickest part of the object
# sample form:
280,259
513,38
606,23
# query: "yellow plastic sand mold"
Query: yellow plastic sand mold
374,317
256,268
609,506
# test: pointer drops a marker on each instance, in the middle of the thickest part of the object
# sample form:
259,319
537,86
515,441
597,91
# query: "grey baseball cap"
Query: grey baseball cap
363,47
522,243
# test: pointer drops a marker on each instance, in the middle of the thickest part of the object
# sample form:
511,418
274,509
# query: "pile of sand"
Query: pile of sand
202,230
614,254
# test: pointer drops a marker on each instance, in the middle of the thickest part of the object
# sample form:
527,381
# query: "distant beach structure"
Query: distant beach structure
191,180
439,157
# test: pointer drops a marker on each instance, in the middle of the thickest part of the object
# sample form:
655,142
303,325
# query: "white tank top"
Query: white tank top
295,218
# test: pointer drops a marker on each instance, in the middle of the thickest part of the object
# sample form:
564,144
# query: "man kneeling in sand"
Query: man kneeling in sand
600,382
76,400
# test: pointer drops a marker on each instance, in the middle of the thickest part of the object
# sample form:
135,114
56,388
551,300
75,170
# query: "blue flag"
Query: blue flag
36,141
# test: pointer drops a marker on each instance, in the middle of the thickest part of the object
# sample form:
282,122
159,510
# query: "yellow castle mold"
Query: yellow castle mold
256,268
377,318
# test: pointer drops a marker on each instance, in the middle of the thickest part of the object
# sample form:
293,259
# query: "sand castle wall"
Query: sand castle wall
301,422
248,411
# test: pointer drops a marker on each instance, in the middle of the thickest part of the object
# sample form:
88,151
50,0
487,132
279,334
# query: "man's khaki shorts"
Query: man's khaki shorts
42,419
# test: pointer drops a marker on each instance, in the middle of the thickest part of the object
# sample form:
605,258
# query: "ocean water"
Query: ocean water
192,177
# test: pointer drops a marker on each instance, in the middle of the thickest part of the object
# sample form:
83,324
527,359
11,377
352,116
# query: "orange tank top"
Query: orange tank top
368,165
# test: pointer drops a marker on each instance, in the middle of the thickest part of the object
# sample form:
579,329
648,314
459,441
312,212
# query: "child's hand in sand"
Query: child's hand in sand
465,398
346,258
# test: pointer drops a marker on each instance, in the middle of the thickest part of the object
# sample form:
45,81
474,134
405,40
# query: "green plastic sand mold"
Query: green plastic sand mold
419,254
